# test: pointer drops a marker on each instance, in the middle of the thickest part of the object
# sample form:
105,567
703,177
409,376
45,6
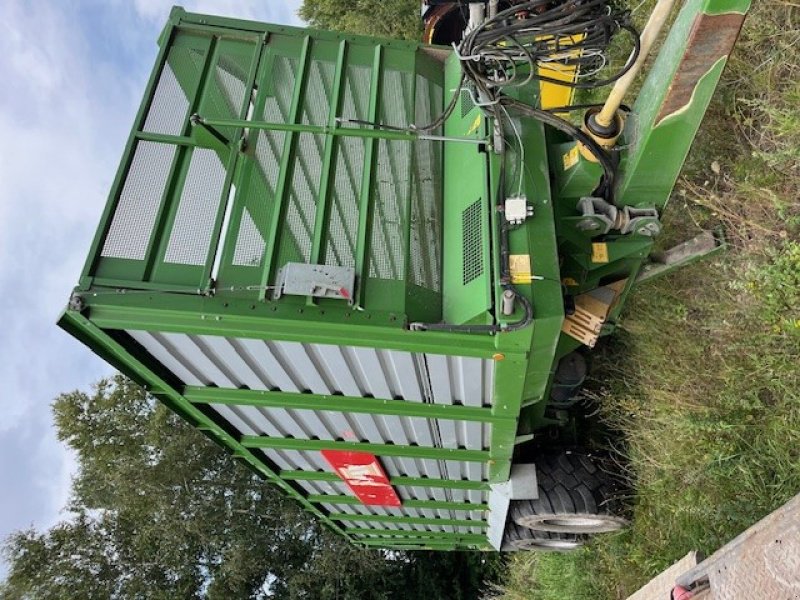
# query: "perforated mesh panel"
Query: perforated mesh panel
392,182
250,243
197,210
170,105
304,192
343,224
135,214
473,251
465,99
225,97
426,198
260,191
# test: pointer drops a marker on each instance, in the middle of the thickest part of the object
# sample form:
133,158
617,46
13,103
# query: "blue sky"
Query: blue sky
72,74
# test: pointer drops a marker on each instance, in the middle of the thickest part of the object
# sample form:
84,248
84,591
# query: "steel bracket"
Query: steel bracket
597,216
641,221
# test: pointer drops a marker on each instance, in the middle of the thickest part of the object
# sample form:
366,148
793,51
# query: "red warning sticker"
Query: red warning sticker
364,475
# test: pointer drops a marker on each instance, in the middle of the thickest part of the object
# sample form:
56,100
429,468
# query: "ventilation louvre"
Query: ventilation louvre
465,99
471,231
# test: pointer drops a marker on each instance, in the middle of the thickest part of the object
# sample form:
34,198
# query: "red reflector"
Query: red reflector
364,475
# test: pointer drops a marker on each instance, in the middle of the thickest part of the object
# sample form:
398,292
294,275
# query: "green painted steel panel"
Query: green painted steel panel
468,203
668,117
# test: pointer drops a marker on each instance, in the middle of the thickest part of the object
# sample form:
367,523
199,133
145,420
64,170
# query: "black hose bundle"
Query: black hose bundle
507,50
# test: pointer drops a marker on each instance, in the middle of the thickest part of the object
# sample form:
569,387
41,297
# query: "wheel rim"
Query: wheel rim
592,522
548,545
573,523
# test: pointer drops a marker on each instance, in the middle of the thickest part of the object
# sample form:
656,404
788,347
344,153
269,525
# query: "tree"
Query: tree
161,512
384,18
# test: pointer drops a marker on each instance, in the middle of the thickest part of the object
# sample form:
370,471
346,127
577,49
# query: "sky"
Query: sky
72,73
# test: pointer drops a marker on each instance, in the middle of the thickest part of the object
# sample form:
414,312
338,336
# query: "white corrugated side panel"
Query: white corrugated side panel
409,467
374,428
322,368
351,371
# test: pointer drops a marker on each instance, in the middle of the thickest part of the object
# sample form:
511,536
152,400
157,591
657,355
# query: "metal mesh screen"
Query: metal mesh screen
135,214
225,97
168,110
260,191
250,243
343,224
304,192
392,181
471,231
465,99
426,198
197,210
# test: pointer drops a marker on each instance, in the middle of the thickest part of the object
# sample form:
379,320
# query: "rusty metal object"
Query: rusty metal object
432,18
711,38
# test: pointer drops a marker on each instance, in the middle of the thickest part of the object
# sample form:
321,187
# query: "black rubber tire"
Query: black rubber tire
575,496
522,538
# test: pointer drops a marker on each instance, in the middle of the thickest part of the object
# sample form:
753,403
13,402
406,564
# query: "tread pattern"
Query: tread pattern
570,483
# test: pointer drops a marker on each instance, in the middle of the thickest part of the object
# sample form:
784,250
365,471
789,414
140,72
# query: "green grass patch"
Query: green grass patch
702,380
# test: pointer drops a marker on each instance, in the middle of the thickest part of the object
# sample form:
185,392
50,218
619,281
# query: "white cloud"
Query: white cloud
259,10
72,75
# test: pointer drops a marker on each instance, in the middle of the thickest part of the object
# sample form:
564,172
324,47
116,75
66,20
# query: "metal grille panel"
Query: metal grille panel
135,214
473,246
250,244
392,181
259,194
298,234
343,225
426,200
170,105
226,96
465,98
352,371
193,229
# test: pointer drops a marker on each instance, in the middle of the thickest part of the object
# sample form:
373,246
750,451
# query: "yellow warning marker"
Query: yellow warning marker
551,94
599,252
475,124
571,158
519,266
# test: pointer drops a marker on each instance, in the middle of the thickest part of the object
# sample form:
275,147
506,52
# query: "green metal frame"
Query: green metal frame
115,294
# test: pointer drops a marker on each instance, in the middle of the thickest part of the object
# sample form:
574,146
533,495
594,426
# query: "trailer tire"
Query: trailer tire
575,497
522,538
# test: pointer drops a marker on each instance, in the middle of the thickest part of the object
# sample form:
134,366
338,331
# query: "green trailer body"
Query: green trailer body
264,254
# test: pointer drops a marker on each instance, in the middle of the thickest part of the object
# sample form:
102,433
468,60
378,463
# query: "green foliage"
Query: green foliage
777,286
383,18
161,512
703,379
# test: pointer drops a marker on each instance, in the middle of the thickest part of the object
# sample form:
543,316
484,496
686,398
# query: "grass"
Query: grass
703,379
